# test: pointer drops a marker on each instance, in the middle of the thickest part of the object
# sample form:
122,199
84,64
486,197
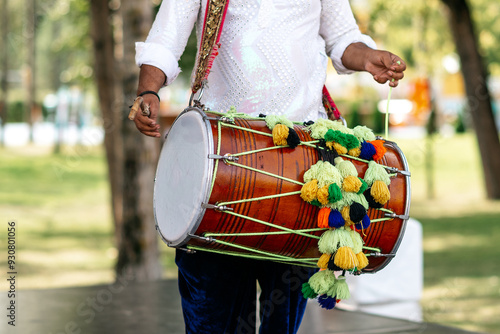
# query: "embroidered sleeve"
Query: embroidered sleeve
339,29
168,36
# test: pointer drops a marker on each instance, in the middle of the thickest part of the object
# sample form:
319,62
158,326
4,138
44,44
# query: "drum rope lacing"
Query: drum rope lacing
256,253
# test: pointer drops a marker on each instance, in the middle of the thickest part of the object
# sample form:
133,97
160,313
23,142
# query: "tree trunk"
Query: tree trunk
5,68
138,250
31,64
109,92
478,95
131,156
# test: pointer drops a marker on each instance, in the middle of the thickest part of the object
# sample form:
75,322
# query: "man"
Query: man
272,60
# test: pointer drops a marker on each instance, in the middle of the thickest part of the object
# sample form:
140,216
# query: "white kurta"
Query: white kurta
273,55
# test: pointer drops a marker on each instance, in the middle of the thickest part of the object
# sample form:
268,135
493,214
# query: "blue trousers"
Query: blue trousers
218,294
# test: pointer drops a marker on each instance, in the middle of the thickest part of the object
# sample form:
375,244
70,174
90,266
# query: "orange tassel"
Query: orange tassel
323,217
379,149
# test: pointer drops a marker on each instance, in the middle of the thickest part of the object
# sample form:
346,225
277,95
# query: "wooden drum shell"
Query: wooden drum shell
233,183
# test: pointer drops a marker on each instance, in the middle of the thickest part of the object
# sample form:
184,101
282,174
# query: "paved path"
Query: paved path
126,308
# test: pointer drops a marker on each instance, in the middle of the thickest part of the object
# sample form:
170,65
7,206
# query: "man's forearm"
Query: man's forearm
150,78
354,57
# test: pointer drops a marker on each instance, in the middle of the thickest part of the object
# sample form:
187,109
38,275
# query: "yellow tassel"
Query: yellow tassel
280,134
380,192
339,148
309,191
352,184
362,260
323,215
345,258
323,261
346,215
355,152
323,195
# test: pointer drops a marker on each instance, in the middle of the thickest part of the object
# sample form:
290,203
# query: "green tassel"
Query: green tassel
272,120
347,168
364,186
342,289
313,172
357,242
332,239
334,193
363,133
351,142
328,173
322,281
376,172
308,292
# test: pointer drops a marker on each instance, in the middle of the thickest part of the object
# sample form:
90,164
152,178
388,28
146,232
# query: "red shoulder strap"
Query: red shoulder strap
209,46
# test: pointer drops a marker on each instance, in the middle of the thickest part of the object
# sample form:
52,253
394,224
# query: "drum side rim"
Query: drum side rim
394,250
206,188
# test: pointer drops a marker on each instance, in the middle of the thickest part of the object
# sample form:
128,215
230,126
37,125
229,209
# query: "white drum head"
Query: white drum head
183,177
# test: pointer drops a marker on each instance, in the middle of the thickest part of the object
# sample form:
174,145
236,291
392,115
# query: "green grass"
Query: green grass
461,268
65,233
60,206
461,230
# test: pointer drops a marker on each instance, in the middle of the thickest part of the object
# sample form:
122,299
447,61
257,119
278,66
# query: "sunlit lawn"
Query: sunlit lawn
60,205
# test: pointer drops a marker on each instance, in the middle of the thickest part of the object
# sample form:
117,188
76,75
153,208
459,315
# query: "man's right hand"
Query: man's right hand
147,124
151,78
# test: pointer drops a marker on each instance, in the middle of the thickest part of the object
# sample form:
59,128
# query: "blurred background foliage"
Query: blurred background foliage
62,200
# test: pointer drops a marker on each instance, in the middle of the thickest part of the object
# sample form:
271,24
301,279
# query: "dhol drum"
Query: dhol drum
223,186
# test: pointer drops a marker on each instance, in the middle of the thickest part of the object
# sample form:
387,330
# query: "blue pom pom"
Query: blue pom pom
367,151
327,302
365,223
335,219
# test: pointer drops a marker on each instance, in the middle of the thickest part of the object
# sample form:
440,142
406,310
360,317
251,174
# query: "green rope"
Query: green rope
272,225
231,114
216,167
257,234
385,210
266,255
264,172
260,198
387,113
258,151
245,129
379,220
387,110
304,232
372,249
290,260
